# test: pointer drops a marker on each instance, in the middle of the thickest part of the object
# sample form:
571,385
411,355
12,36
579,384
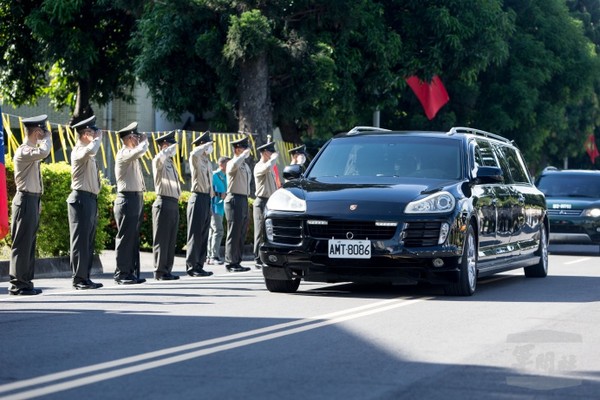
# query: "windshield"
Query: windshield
570,185
389,156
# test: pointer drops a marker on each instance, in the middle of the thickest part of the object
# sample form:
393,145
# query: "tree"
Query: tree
75,52
309,66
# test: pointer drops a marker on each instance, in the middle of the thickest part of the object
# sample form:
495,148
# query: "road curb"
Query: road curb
56,267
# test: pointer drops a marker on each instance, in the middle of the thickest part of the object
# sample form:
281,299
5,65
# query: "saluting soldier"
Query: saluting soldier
128,207
298,155
165,209
236,205
264,179
25,216
83,202
198,208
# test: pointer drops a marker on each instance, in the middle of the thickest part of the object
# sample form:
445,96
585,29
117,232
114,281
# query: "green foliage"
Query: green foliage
249,35
53,233
82,43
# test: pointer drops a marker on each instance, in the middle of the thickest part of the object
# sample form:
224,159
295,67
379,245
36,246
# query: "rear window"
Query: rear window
389,156
570,185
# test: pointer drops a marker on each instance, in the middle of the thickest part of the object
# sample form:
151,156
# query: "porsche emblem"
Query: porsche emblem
353,207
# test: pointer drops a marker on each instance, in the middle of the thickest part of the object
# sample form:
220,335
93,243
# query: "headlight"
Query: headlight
441,202
284,200
591,212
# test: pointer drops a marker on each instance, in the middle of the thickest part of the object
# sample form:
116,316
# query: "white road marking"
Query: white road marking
578,261
192,350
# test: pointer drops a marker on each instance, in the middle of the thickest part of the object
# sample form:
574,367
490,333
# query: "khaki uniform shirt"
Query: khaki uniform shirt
238,176
84,170
27,160
201,169
128,170
264,178
166,178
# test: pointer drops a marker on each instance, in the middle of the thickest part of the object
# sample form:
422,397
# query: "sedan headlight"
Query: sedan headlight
441,202
284,200
591,212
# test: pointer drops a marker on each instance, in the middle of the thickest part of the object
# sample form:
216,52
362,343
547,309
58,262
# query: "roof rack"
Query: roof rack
359,129
461,129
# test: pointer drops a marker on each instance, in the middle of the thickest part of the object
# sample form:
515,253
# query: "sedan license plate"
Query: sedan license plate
339,248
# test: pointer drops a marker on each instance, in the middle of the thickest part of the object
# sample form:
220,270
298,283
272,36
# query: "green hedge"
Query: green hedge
53,233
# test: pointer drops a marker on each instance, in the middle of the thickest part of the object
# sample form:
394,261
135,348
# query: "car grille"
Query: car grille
566,213
287,231
360,230
566,228
421,234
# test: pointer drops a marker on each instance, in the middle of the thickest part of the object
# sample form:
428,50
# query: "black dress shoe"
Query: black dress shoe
236,268
259,265
166,277
196,273
130,280
25,292
84,285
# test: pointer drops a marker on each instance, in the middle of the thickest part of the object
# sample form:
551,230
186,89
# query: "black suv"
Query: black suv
573,204
406,207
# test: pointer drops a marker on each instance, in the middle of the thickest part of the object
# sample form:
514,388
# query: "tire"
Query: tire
282,286
467,279
540,270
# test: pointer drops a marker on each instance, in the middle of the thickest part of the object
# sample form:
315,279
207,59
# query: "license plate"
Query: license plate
339,248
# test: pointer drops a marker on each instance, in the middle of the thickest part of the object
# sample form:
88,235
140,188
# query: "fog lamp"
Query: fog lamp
438,262
444,229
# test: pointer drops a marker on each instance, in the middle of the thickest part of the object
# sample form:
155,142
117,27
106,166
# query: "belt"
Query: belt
167,198
202,193
130,194
29,193
85,193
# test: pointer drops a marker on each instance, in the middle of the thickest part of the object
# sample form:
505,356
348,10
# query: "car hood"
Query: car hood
386,198
571,203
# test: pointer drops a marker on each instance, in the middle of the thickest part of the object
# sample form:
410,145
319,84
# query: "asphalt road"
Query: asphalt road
226,337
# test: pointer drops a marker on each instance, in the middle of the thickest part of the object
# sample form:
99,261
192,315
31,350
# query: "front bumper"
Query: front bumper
575,230
390,262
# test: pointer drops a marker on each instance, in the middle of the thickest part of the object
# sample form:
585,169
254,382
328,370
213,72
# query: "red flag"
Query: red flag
3,193
591,149
276,173
432,95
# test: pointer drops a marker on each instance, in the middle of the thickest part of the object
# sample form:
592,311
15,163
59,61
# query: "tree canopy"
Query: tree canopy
75,52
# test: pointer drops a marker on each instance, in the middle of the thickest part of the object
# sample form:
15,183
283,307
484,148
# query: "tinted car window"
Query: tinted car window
484,154
567,185
396,156
517,169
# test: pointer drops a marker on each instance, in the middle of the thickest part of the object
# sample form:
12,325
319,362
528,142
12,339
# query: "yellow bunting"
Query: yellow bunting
63,144
184,144
103,154
70,134
112,145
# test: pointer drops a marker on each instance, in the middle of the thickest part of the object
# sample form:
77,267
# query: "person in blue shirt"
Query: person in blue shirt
216,232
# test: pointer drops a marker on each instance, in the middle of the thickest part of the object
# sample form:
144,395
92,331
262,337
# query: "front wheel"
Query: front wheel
282,286
540,270
467,279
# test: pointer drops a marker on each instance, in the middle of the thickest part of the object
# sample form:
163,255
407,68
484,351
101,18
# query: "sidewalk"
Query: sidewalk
105,263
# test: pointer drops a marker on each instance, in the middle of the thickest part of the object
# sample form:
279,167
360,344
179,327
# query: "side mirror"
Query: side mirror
292,172
489,175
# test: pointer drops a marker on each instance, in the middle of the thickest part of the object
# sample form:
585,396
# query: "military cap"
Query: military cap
267,147
168,137
89,123
299,149
243,142
35,122
204,138
128,130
